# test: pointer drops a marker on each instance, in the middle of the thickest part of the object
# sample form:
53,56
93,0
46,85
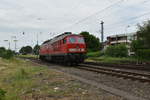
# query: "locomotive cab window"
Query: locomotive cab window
72,40
64,41
80,40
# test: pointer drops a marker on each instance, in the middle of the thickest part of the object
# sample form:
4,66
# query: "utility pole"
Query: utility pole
37,36
37,39
8,43
102,32
15,41
15,45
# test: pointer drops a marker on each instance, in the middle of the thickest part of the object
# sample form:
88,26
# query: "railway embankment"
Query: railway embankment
125,87
24,80
126,63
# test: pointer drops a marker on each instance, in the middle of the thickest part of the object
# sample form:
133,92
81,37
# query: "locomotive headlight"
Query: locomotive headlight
82,49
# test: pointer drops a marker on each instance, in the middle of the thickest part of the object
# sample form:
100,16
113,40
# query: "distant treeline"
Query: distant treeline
7,54
29,50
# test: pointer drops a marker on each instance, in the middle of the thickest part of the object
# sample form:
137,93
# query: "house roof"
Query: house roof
119,35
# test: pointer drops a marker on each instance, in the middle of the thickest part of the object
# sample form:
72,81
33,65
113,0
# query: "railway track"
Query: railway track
122,66
116,72
99,84
109,71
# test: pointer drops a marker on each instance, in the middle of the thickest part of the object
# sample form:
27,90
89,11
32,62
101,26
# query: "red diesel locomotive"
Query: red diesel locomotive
65,48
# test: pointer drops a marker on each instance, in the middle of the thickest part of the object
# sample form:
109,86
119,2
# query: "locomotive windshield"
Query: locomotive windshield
76,39
72,39
80,40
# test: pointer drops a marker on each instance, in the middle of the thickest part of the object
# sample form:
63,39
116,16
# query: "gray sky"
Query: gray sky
57,16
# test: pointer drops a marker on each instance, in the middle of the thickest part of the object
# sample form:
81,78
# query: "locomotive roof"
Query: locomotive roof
59,37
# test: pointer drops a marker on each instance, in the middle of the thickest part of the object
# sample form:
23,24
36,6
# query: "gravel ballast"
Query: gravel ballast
134,88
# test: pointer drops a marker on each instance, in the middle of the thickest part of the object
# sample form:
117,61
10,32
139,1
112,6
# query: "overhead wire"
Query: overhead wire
116,3
130,19
145,1
82,20
75,6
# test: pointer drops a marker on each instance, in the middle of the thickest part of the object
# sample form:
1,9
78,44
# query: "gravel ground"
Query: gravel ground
132,87
144,71
24,80
132,70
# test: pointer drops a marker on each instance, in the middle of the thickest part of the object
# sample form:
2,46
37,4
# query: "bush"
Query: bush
2,51
2,94
7,54
117,51
95,54
143,54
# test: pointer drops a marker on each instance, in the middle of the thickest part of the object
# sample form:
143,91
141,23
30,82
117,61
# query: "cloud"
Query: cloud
56,16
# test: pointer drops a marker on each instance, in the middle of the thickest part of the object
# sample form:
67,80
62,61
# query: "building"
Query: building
121,39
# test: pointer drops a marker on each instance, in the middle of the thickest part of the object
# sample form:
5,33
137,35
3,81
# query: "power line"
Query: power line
130,19
73,7
145,1
121,26
94,14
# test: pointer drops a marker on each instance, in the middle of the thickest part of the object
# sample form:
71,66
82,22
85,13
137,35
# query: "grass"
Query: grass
94,54
100,57
17,77
23,80
28,56
113,60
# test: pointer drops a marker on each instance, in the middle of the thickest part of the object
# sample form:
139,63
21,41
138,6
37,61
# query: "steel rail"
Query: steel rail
113,72
118,73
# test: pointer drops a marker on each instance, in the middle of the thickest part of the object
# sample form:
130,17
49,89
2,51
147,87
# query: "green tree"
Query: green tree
7,54
2,94
36,49
143,34
22,50
119,50
26,50
92,42
141,46
136,45
2,50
